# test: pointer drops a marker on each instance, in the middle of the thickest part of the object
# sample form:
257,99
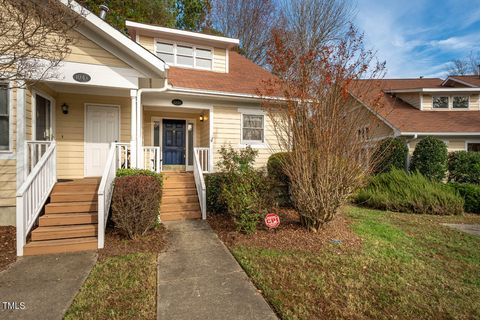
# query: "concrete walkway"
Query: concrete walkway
198,278
468,228
44,285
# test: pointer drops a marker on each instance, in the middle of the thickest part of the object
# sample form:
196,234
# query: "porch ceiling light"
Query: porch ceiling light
202,118
65,108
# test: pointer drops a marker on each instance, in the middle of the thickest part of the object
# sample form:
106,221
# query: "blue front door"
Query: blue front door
173,142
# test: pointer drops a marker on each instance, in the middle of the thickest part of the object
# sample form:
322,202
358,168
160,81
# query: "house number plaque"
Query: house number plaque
81,77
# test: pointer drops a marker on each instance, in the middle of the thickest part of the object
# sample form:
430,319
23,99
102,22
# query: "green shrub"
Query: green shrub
430,158
135,204
214,183
470,194
401,191
464,167
390,153
244,187
280,183
140,172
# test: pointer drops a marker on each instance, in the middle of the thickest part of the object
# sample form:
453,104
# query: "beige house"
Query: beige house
161,99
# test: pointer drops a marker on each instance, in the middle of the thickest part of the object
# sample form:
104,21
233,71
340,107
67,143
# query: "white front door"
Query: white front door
101,129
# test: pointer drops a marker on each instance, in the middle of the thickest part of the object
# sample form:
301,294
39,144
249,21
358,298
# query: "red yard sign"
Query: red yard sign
272,220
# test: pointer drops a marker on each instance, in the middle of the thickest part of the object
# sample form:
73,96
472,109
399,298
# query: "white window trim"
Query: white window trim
252,143
7,154
470,141
42,94
450,102
194,47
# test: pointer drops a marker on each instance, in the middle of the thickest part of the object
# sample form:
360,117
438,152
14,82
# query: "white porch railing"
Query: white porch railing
203,158
34,152
151,158
200,183
118,152
33,193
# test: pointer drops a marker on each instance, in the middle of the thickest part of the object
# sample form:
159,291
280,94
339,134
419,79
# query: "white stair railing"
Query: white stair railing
200,183
117,153
203,157
33,193
151,158
123,156
34,152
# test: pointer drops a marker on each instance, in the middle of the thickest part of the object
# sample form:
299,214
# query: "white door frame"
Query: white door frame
85,107
160,139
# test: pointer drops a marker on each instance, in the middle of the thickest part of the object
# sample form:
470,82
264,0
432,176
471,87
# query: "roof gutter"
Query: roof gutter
222,94
416,134
433,90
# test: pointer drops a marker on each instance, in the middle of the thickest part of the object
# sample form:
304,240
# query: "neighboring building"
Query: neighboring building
169,98
415,108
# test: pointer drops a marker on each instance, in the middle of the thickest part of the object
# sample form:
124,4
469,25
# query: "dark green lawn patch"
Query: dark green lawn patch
408,266
123,283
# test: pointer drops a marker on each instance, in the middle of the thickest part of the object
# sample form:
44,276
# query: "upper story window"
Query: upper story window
451,102
185,55
4,118
253,130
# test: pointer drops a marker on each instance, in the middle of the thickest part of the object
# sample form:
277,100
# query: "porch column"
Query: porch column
139,127
21,136
210,139
133,129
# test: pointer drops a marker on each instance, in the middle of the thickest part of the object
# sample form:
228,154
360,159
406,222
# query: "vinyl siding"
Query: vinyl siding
410,98
70,130
452,144
8,183
84,50
147,42
227,131
428,103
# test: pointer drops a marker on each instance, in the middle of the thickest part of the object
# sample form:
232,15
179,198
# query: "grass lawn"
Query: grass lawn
405,266
123,283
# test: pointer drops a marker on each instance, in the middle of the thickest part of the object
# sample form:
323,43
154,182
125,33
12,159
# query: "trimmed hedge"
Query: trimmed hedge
401,191
430,158
140,172
470,194
391,153
464,167
279,179
214,183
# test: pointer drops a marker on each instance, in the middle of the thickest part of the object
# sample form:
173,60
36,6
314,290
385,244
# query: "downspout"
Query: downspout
139,119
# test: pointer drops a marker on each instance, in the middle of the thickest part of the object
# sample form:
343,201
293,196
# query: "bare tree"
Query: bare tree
327,133
251,21
34,37
315,23
466,66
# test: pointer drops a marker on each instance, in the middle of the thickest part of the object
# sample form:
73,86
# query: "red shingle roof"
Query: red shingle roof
244,77
407,118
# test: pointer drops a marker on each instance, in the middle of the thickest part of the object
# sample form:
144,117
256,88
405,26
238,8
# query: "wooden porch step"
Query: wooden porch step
60,246
75,187
179,178
64,232
176,216
179,199
66,219
179,192
179,207
179,185
73,196
69,207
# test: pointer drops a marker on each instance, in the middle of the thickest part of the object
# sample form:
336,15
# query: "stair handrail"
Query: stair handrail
33,193
200,184
105,191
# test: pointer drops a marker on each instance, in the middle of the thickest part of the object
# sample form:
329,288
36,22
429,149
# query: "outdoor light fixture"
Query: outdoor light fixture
65,108
202,117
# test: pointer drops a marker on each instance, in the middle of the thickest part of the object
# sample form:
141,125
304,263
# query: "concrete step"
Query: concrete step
68,207
73,197
67,219
177,216
179,199
179,207
179,185
179,192
64,232
60,246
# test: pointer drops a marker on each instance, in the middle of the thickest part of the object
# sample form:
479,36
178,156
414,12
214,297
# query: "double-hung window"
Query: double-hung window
460,102
184,55
4,118
253,128
440,102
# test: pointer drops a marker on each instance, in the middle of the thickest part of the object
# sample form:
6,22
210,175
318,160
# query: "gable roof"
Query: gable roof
471,81
111,39
244,77
409,120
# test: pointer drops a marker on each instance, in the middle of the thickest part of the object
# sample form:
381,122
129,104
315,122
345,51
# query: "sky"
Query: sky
419,37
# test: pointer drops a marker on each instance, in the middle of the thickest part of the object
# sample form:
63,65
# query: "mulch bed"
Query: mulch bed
8,254
116,244
290,235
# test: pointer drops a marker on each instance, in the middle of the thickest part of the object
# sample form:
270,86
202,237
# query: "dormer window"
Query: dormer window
183,55
460,102
440,102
